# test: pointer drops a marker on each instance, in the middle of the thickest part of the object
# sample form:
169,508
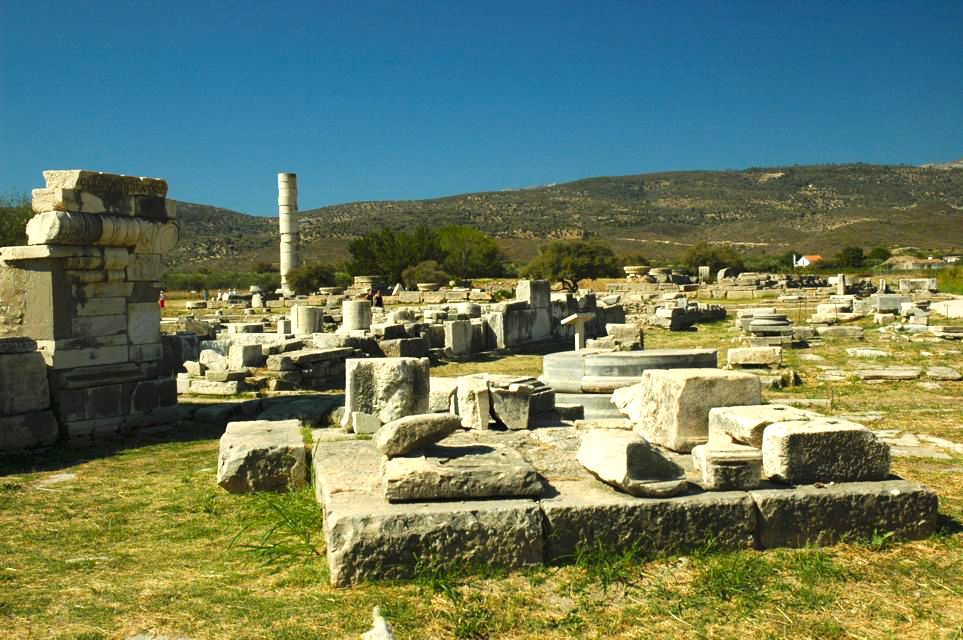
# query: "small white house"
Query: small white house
808,261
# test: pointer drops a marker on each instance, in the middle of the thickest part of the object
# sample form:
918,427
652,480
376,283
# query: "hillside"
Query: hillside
818,209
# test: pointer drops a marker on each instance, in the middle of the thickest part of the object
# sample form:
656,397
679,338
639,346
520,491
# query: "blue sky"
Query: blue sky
392,100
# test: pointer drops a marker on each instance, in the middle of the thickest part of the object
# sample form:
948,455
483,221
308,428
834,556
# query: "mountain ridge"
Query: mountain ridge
812,208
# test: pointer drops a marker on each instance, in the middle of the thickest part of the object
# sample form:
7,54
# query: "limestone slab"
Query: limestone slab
670,407
823,515
27,430
625,461
370,539
262,456
459,472
474,401
728,467
411,433
390,388
143,323
586,513
23,383
746,424
823,450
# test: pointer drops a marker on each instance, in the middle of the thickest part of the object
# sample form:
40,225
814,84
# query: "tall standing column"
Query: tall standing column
288,219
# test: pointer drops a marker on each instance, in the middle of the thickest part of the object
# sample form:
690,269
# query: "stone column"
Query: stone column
288,220
355,315
306,320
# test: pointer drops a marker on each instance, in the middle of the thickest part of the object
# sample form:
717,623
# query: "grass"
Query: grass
142,540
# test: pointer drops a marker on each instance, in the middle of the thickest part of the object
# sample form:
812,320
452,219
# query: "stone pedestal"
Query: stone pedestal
306,320
87,291
355,315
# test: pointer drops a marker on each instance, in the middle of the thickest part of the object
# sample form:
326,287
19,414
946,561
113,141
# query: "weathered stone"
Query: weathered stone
242,356
627,462
511,404
410,433
867,353
27,430
729,467
670,407
225,376
209,388
213,360
23,383
314,411
823,450
97,182
890,374
755,357
390,388
822,515
195,368
369,538
943,373
474,402
458,336
363,423
262,456
839,331
588,514
455,472
745,425
380,629
442,394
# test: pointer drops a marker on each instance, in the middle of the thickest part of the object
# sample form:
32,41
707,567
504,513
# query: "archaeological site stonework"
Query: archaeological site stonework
85,289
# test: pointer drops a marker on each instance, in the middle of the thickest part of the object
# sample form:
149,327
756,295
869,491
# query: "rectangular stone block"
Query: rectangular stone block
23,383
824,515
823,450
241,356
68,358
208,388
473,401
369,538
103,290
145,267
27,430
755,357
105,402
146,352
98,182
101,307
587,513
728,467
389,388
262,455
143,323
458,336
88,430
670,407
745,425
537,293
98,326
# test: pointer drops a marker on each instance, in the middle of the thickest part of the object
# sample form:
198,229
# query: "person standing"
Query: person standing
162,300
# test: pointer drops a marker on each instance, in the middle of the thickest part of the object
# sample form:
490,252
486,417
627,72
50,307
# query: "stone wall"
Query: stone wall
86,289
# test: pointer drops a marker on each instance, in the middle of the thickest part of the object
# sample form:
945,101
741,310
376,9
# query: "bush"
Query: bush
572,261
14,213
427,271
469,253
849,257
307,278
715,256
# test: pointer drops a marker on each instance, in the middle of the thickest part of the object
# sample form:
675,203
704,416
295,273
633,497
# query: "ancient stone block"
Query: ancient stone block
262,456
390,388
101,307
825,514
411,433
630,464
371,539
98,182
589,514
474,402
209,388
458,336
23,383
728,467
213,360
442,394
823,450
452,472
746,424
143,323
27,430
363,423
755,357
670,407
244,355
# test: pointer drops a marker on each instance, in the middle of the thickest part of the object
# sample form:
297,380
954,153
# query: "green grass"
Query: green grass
143,540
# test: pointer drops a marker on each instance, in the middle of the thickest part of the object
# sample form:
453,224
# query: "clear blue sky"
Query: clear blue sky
385,100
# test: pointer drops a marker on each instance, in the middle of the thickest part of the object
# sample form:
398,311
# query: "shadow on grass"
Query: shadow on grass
63,455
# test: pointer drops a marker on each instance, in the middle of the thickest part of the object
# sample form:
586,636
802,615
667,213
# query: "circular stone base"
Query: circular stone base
565,371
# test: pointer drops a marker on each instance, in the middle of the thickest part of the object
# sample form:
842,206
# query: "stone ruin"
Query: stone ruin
85,291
